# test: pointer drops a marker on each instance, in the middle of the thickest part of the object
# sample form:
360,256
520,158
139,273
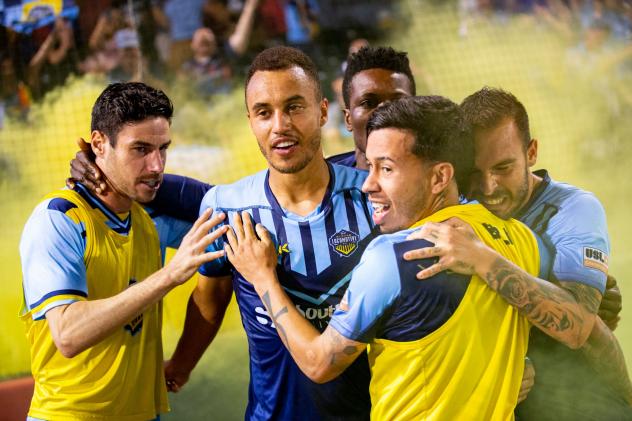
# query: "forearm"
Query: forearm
83,324
298,335
238,41
604,354
201,325
550,308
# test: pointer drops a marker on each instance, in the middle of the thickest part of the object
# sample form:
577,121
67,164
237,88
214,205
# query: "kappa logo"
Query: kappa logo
595,259
136,324
283,248
344,242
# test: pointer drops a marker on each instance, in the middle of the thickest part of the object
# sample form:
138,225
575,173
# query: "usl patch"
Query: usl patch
595,259
344,242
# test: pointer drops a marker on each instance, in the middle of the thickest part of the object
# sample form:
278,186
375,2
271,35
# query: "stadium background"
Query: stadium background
579,110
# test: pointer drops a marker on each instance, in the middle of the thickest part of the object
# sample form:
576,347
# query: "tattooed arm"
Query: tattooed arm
566,316
322,357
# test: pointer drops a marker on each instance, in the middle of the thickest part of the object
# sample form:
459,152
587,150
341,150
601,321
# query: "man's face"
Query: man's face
135,165
367,90
286,115
500,181
398,184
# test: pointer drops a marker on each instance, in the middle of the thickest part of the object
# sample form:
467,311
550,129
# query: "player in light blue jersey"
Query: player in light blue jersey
589,383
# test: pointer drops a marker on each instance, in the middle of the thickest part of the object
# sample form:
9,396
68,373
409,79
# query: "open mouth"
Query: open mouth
380,210
285,146
152,184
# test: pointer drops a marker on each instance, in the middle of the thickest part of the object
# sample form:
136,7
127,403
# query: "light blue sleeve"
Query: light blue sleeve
579,234
374,286
51,249
220,266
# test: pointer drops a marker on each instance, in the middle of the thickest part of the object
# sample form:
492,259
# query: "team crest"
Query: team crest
344,242
136,324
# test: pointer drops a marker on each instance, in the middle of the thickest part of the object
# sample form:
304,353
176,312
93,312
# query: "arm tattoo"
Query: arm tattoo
585,295
337,342
547,306
604,355
275,317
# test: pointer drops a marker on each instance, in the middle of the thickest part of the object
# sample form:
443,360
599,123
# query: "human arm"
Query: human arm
81,324
322,357
567,316
205,313
528,380
240,37
611,304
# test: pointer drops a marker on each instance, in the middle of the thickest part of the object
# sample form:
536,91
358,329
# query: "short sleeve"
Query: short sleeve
579,234
373,288
220,266
52,248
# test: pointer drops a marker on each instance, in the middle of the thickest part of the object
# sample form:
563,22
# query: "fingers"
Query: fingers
233,242
611,282
430,271
423,253
249,231
238,226
172,386
83,145
201,219
264,234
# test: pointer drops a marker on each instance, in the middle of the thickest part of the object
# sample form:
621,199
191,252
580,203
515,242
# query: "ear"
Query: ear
98,142
442,176
347,113
532,152
324,108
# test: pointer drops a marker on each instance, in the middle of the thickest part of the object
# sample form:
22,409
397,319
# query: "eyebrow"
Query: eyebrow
505,162
290,99
140,142
384,158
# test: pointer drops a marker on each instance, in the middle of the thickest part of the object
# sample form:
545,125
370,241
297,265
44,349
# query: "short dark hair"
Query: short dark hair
283,58
487,108
437,125
375,58
125,103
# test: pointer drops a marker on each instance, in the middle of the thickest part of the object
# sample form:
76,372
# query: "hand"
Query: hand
455,243
528,380
192,251
84,170
610,306
255,259
174,376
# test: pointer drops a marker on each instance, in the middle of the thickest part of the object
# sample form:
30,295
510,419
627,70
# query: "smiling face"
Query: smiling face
399,182
367,90
134,166
501,181
286,114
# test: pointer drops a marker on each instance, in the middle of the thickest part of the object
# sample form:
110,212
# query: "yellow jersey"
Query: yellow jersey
74,248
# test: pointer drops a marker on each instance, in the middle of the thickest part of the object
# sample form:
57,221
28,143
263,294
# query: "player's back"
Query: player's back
317,254
449,347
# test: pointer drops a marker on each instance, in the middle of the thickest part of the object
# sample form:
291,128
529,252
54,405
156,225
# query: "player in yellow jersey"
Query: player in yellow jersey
91,272
448,348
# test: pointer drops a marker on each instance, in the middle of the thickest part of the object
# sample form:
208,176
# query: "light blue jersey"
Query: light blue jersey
317,254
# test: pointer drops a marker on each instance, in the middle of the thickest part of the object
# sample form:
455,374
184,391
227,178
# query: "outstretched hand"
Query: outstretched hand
251,250
192,251
84,170
455,244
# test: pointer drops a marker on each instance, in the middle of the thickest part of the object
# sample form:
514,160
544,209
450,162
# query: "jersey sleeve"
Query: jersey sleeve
373,288
179,197
220,266
579,234
52,249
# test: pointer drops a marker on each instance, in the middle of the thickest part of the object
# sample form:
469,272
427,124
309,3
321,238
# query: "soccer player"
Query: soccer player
448,348
373,76
321,221
571,384
92,279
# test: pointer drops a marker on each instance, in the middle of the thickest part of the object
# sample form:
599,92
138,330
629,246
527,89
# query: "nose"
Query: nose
487,184
155,161
370,184
280,121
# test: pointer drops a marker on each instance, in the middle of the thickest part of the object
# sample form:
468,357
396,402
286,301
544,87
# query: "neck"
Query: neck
448,197
360,158
303,191
115,201
533,181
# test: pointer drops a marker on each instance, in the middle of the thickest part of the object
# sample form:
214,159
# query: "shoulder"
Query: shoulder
575,207
347,178
245,192
346,159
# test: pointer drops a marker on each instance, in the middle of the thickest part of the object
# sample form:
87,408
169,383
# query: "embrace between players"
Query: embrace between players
378,294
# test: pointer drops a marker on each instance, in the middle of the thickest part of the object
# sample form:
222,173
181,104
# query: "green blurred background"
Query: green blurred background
580,112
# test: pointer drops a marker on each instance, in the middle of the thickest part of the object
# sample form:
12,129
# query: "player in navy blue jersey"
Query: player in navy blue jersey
571,384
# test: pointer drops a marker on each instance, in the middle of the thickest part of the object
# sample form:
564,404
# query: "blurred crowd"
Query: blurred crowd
205,45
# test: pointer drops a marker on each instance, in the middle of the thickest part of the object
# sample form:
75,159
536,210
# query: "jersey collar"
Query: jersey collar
121,226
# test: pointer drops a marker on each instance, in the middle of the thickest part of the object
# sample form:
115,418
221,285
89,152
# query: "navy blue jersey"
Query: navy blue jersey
317,254
572,225
346,159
